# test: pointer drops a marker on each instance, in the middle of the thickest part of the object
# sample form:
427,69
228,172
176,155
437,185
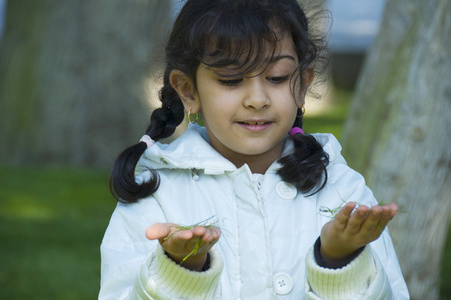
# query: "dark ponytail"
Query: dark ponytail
306,167
122,179
163,123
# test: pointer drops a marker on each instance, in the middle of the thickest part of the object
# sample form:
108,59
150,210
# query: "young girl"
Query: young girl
276,213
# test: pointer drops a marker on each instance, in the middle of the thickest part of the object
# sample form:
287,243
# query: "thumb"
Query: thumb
159,231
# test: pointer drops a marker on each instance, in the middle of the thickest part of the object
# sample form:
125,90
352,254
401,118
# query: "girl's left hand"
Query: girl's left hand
349,230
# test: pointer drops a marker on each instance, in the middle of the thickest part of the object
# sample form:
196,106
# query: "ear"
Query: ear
186,90
307,78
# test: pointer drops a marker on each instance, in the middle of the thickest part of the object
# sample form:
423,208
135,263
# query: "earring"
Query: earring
302,112
189,117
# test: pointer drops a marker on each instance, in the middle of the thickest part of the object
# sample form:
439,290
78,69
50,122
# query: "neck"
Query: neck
257,163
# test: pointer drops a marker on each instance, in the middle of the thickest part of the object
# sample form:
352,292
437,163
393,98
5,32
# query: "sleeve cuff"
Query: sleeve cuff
349,281
322,263
161,278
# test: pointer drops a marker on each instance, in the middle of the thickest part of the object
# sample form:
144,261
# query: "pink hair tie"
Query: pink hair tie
146,139
295,130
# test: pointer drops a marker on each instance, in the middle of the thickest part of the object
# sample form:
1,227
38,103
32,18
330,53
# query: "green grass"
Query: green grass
52,222
51,226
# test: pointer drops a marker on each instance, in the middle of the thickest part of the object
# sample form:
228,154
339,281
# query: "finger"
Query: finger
216,233
384,213
356,220
390,210
190,237
342,217
372,223
206,233
159,231
211,235
198,231
387,214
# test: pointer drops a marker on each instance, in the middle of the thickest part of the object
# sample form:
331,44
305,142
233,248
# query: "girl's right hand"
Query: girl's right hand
179,244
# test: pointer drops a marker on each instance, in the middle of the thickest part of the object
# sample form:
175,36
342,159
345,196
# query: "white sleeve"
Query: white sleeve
363,278
132,265
161,278
344,283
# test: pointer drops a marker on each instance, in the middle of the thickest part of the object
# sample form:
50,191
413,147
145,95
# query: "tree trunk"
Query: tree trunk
74,78
398,133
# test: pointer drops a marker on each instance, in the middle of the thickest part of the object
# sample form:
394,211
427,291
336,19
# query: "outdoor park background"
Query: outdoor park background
54,209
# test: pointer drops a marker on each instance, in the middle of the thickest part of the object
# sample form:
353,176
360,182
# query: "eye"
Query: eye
231,82
277,79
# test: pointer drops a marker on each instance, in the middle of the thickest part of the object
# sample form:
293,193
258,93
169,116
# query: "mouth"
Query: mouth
255,126
255,122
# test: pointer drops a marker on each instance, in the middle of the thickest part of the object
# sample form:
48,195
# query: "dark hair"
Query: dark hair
218,33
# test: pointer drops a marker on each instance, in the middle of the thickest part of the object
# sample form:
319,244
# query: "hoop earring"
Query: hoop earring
189,117
302,112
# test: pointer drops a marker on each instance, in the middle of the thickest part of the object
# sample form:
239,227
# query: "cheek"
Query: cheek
292,111
291,105
214,104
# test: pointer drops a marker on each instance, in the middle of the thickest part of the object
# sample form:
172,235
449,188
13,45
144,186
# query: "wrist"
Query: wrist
334,260
197,262
333,257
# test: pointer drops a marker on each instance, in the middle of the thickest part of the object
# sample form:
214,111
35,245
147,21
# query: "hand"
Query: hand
349,230
180,244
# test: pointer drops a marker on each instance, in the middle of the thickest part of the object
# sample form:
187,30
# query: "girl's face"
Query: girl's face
247,117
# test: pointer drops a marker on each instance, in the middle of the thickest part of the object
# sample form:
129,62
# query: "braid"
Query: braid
306,167
165,120
163,123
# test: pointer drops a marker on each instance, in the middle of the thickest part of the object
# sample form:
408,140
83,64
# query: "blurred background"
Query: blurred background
79,80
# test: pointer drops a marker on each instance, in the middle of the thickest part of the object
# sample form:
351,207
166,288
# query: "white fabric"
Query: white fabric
267,229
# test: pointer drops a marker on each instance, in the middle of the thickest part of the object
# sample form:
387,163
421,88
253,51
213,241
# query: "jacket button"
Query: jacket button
286,190
283,284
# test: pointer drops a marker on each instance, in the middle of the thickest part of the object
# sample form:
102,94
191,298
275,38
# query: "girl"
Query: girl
276,212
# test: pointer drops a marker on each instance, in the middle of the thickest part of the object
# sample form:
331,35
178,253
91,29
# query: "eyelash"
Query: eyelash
235,82
278,79
232,82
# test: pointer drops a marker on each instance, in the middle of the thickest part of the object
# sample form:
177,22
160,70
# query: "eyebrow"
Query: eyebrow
272,59
279,57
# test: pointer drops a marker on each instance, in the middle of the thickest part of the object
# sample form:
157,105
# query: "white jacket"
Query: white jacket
268,230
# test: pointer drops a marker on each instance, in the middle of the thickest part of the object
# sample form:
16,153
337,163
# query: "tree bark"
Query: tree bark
74,78
398,133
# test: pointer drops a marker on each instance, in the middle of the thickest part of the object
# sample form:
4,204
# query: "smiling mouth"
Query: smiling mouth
255,126
255,123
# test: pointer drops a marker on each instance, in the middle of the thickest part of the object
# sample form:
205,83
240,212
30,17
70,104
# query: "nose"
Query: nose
256,94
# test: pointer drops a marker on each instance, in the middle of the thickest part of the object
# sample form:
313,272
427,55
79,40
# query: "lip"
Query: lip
255,125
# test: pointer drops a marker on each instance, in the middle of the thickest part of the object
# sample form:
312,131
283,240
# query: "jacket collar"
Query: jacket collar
190,151
193,151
